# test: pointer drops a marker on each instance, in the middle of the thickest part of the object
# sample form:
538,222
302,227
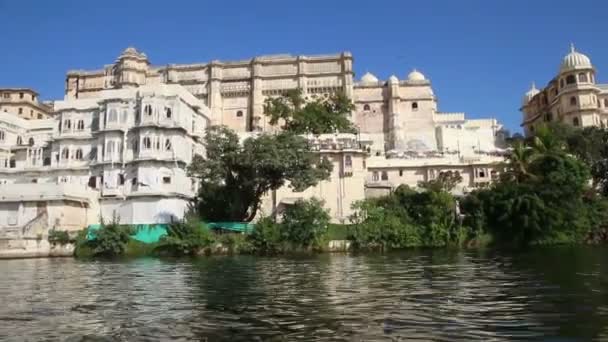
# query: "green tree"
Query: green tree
233,177
317,116
304,223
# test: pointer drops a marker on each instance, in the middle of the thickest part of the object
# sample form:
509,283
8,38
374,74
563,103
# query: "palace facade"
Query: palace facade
119,142
572,97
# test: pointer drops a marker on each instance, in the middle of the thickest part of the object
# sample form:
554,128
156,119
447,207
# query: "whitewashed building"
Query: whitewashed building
119,143
121,154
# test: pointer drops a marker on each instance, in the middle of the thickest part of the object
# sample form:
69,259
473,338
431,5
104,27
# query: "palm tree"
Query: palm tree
519,160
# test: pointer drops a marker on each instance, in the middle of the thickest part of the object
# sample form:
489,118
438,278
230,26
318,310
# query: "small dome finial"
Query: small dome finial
572,49
533,85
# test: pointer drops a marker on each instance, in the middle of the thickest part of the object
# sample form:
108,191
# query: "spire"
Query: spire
572,49
533,86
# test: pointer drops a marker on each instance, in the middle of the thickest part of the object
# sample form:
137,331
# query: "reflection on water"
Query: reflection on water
444,295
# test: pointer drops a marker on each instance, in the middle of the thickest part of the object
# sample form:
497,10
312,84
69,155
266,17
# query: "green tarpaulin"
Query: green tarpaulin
151,233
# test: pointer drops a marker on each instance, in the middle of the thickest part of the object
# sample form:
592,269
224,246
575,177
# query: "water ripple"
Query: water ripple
422,295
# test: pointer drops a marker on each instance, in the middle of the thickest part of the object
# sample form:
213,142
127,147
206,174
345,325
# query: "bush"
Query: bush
266,237
59,237
236,243
111,239
188,237
305,223
406,218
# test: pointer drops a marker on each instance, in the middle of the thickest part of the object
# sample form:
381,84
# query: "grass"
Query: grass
338,231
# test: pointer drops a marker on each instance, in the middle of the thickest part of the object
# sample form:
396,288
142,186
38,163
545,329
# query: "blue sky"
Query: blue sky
481,55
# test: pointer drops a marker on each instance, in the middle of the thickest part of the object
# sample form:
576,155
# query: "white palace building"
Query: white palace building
119,142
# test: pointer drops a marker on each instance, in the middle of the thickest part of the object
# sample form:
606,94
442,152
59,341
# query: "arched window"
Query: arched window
65,153
19,140
124,116
575,122
68,124
366,108
348,161
532,129
80,125
570,79
414,105
113,116
79,154
573,101
148,110
168,112
147,143
157,143
549,117
239,113
168,144
30,142
1,135
606,103
561,83
582,77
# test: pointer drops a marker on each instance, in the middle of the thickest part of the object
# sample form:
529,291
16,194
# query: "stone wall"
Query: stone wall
33,248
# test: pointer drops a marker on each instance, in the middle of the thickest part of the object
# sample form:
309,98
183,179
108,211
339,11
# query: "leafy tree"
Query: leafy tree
318,116
518,162
233,176
266,237
304,223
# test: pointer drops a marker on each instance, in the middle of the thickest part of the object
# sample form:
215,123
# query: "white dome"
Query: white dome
393,79
416,75
369,78
530,94
575,60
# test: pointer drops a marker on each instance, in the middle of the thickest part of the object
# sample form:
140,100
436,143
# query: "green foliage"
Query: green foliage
111,239
338,231
304,223
234,177
406,218
236,243
544,195
318,116
266,237
59,237
188,237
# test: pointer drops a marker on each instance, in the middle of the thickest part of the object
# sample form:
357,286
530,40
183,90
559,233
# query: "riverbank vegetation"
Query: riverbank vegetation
552,189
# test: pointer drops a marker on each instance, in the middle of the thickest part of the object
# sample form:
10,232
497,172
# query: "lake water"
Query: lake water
552,294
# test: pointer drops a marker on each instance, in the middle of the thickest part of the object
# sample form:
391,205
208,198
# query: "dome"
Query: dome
530,94
575,60
416,75
369,78
393,79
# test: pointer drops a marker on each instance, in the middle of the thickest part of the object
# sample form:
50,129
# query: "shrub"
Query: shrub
406,218
111,239
236,243
266,237
305,223
188,237
60,237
